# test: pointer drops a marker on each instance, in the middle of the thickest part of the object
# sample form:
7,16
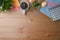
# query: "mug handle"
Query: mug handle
24,12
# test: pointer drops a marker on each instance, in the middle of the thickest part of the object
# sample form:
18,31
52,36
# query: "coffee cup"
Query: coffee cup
24,6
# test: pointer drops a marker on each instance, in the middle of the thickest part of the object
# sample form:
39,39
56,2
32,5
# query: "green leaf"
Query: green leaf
6,4
36,4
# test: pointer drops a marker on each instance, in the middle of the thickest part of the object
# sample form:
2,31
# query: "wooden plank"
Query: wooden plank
16,26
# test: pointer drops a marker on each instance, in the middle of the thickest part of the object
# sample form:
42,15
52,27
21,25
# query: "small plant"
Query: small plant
36,4
5,4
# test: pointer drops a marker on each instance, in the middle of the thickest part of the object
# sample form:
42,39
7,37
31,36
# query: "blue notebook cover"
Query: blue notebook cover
51,3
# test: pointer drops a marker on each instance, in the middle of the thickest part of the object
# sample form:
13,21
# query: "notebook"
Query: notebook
55,13
51,3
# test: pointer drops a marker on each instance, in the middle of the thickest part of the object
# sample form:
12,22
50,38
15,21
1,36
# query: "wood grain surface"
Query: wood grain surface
16,26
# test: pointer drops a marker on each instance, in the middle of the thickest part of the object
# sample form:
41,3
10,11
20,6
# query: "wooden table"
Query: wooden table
16,26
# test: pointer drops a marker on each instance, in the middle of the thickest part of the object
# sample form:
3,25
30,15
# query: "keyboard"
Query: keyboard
55,13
